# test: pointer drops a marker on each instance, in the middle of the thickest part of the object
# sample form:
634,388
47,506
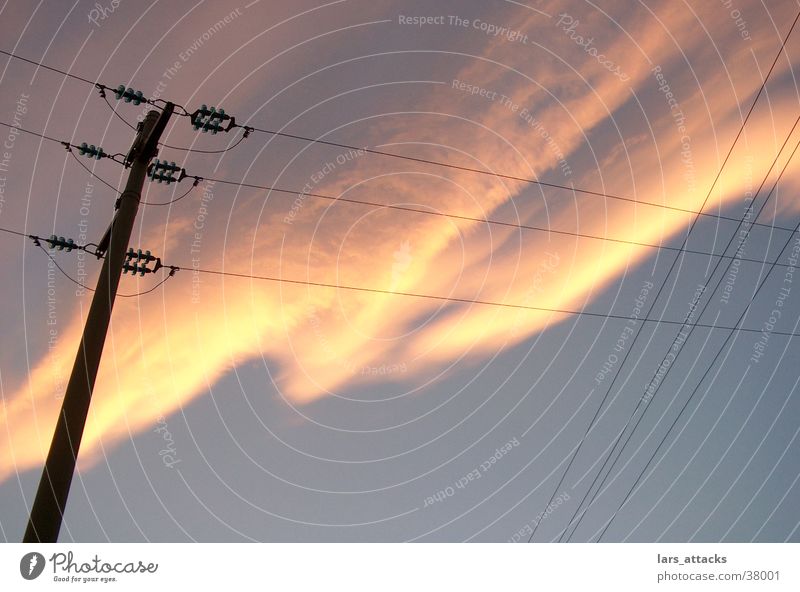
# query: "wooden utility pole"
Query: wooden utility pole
51,496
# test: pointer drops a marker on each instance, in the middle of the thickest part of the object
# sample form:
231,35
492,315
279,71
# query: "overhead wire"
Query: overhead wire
484,220
279,190
448,165
37,134
85,287
114,111
428,212
460,300
413,294
37,240
652,307
95,83
46,67
454,217
670,350
691,396
202,151
70,146
94,174
663,378
419,295
721,256
319,140
170,202
527,180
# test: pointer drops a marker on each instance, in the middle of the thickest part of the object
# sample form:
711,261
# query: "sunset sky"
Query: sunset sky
236,409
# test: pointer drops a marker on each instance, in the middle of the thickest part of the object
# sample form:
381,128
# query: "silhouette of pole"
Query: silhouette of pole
51,496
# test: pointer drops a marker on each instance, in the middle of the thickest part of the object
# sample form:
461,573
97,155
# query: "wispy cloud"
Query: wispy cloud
162,352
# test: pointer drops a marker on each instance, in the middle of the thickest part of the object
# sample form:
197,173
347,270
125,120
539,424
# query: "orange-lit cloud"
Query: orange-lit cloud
323,341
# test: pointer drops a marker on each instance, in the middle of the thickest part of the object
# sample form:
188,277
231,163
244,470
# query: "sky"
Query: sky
231,408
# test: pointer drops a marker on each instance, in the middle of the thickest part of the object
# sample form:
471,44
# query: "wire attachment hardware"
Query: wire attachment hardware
138,261
210,119
129,95
163,171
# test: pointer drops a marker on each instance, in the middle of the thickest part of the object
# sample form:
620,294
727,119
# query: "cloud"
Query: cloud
167,349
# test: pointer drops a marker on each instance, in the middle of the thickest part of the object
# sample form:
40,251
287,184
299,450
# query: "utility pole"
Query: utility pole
51,497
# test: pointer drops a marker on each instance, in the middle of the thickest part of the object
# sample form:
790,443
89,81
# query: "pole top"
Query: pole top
146,144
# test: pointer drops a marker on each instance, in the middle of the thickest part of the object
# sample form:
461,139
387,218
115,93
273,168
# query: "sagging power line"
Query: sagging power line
672,267
452,299
419,210
650,393
212,120
216,127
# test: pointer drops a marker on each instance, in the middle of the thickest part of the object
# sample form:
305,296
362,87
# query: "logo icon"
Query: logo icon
31,565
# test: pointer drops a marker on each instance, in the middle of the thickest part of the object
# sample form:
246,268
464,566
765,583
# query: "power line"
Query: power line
37,134
474,170
68,145
670,349
457,217
380,152
114,111
492,221
93,174
425,296
466,300
51,68
691,396
686,339
64,273
118,192
37,240
328,197
428,212
172,201
669,273
437,163
573,189
418,295
16,232
401,156
413,294
721,256
201,151
142,202
99,85
85,287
